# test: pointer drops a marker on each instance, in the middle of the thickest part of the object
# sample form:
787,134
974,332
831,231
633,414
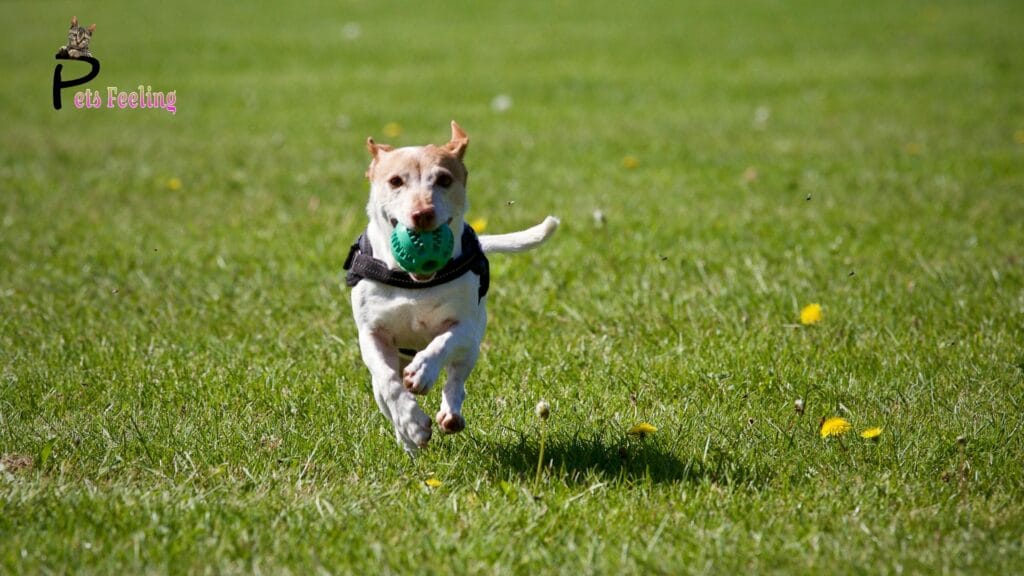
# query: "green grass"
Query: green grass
182,369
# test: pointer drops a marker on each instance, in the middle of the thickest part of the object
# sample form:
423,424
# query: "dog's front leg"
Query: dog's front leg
456,348
412,426
449,346
449,417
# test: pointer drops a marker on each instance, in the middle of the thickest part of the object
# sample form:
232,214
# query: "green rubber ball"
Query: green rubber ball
422,252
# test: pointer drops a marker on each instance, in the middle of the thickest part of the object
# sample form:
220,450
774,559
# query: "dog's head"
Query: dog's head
421,187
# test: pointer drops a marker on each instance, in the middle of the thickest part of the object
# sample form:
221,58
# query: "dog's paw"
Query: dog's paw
414,432
450,422
419,376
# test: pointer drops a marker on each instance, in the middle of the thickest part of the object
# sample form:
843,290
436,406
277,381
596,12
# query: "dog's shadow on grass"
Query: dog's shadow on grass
582,458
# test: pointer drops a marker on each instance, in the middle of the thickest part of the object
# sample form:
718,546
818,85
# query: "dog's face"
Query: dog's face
421,187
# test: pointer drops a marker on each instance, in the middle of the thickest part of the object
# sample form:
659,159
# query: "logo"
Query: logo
77,48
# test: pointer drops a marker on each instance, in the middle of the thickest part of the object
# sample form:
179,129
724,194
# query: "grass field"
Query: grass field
181,388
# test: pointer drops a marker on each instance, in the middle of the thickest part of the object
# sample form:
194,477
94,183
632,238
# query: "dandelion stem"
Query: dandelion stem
540,455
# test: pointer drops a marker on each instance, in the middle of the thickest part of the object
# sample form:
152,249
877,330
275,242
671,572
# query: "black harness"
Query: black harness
361,264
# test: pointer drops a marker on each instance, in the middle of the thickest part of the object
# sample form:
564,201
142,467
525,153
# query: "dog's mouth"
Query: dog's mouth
394,223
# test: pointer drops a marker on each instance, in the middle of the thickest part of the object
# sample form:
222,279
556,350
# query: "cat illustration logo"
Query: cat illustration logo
77,49
78,41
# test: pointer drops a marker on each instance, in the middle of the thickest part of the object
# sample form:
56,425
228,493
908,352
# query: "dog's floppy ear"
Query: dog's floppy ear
457,145
375,148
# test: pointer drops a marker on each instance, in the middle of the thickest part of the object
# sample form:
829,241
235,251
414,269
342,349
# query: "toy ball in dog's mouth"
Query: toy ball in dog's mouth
422,253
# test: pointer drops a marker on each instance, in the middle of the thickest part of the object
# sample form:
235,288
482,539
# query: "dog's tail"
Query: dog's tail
520,241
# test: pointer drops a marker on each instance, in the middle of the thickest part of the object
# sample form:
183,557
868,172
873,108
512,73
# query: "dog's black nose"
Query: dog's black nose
423,219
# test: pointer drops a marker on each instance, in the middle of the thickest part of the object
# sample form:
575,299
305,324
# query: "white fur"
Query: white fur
444,323
520,241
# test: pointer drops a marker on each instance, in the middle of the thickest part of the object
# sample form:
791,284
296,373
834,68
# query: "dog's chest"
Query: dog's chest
414,317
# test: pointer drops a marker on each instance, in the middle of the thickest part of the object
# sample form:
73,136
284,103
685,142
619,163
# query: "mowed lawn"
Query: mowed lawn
180,385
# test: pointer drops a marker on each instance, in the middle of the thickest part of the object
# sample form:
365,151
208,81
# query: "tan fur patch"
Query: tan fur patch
388,162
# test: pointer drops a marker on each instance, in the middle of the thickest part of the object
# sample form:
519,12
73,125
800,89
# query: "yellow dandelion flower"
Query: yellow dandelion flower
872,433
810,314
174,184
392,129
432,482
642,429
1018,136
834,426
912,148
478,224
630,162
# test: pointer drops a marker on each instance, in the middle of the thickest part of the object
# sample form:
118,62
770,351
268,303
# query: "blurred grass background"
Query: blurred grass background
180,367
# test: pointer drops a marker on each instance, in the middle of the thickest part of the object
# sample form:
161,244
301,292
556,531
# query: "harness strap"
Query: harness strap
360,264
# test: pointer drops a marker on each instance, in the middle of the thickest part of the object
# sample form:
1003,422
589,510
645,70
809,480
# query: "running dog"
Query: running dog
413,325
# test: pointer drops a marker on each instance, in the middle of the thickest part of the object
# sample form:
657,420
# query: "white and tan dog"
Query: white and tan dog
410,327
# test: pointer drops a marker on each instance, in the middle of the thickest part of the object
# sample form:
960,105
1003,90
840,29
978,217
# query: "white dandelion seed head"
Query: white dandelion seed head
501,103
761,115
351,31
543,409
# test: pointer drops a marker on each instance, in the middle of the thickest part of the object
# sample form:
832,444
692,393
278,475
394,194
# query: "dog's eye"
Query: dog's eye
443,180
395,181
